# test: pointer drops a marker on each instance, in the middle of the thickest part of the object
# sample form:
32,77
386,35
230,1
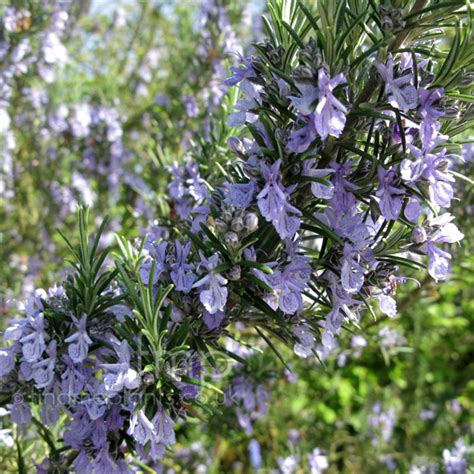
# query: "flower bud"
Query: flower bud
281,135
296,169
148,378
274,54
426,78
311,54
176,315
418,234
251,222
237,224
251,170
234,273
226,216
451,112
466,79
256,63
391,17
232,239
304,74
220,225
284,89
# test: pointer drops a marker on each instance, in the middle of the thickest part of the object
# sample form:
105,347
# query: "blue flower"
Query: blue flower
243,71
163,434
244,109
390,196
447,232
7,360
413,209
255,454
33,343
180,273
352,272
290,283
20,411
213,321
43,371
213,292
241,194
317,461
141,428
120,375
302,137
79,342
330,114
273,202
401,93
321,190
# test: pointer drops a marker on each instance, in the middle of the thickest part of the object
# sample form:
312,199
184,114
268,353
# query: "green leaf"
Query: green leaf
201,383
366,110
320,228
259,266
358,20
272,347
369,52
260,283
312,19
46,435
361,153
20,460
179,335
215,242
436,6
293,33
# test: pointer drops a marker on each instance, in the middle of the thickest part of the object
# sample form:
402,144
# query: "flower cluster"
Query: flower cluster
73,355
91,378
360,200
